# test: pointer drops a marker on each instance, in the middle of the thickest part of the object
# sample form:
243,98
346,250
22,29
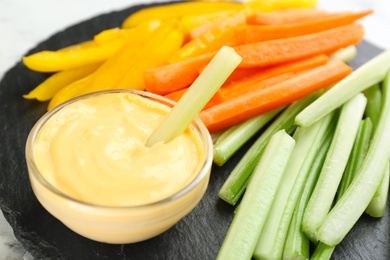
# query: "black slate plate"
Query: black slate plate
197,236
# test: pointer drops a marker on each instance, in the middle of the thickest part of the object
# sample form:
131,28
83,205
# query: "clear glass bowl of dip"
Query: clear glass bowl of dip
119,224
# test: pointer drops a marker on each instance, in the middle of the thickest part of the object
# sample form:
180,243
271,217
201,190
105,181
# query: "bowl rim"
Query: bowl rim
201,131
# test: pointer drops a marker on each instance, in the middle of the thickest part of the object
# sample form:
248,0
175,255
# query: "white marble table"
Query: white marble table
23,24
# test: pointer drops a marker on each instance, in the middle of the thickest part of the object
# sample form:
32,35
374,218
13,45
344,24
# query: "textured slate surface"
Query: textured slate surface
198,236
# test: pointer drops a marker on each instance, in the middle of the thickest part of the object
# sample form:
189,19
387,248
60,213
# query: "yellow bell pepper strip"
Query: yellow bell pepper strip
48,88
109,35
177,10
271,5
113,70
219,35
158,55
74,56
192,21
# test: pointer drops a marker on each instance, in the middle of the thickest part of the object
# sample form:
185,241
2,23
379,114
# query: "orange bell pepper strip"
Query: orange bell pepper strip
212,40
49,87
95,51
177,10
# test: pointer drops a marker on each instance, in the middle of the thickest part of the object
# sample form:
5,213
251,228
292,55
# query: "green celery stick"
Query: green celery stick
359,151
370,73
377,205
322,252
235,184
352,204
324,192
297,243
248,222
273,236
236,136
345,54
197,96
374,102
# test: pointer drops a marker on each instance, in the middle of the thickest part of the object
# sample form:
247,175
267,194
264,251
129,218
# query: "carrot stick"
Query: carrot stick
175,76
255,75
255,33
255,86
294,15
242,107
171,77
216,99
268,53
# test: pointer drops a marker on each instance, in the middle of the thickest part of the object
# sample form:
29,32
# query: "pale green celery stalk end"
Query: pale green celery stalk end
377,206
345,54
352,205
372,72
322,252
247,224
197,96
324,193
236,136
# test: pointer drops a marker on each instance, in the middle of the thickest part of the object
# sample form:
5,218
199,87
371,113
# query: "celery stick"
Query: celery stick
235,184
197,96
359,151
377,205
365,76
374,101
326,187
236,136
297,243
322,252
247,224
345,54
273,236
351,206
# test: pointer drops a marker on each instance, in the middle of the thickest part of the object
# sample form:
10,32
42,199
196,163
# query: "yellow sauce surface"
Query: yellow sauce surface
94,151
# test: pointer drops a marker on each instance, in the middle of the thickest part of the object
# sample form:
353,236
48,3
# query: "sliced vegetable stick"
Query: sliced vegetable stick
175,10
261,54
216,99
288,16
251,33
242,107
325,190
377,206
219,35
308,142
48,88
372,72
352,204
242,77
236,136
169,78
244,231
197,96
297,243
236,183
242,89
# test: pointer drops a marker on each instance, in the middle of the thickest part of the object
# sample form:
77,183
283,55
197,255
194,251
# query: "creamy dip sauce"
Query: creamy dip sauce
94,151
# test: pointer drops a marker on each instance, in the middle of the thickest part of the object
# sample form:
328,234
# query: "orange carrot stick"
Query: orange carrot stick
256,85
255,33
260,74
216,99
245,106
261,54
294,15
171,77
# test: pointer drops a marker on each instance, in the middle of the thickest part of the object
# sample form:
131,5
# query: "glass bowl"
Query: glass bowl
119,224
